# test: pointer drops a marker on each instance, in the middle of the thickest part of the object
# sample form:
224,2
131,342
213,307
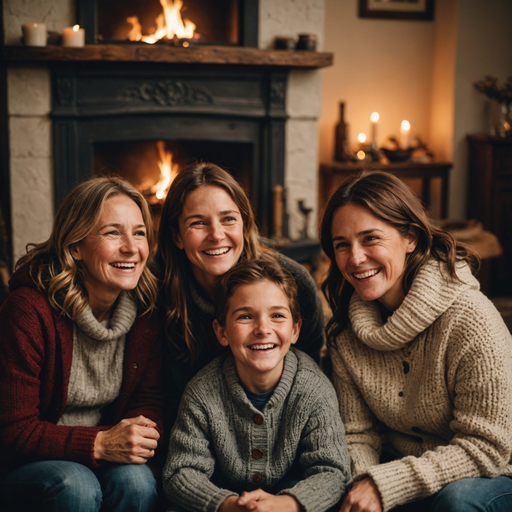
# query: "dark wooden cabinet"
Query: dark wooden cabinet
490,201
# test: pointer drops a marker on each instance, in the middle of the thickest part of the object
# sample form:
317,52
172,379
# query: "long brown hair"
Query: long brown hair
51,264
393,202
173,262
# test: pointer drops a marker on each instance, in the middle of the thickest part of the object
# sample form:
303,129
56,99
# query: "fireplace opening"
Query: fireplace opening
178,22
152,165
153,20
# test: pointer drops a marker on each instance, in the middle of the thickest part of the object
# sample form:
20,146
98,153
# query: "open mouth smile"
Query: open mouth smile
365,275
217,252
263,347
127,266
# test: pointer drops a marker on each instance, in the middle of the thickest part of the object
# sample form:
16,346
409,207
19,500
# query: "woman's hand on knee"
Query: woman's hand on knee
131,441
363,497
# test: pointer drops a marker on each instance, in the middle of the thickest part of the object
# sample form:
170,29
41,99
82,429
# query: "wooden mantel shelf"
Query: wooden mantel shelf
170,54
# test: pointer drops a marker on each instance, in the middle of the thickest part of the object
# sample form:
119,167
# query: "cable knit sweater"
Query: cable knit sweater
221,437
178,373
36,350
434,381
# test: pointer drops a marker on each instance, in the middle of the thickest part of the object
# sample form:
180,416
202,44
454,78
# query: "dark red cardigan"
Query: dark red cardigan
36,347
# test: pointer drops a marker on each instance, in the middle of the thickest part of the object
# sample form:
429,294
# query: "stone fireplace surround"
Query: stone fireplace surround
33,162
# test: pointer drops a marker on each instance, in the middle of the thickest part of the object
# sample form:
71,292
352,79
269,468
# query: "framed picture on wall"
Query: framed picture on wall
397,9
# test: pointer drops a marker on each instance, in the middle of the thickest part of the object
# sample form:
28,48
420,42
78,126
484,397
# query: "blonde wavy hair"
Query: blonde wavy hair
173,262
51,264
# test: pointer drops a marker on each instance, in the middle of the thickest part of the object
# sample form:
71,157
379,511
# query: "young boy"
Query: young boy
261,421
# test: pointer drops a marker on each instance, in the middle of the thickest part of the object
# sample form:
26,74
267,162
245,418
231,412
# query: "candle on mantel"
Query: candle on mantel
374,118
34,34
405,131
73,37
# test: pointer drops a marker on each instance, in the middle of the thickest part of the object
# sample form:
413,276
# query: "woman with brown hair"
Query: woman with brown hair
81,406
208,226
421,358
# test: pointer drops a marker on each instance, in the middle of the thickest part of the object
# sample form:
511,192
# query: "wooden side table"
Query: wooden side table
335,173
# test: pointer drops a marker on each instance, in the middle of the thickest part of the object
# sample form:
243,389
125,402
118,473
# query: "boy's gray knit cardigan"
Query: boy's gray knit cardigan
220,434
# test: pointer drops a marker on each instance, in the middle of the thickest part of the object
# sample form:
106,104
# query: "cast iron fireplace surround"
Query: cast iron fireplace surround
101,102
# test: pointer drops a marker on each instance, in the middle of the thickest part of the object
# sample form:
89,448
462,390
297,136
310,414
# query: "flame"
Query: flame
168,171
169,24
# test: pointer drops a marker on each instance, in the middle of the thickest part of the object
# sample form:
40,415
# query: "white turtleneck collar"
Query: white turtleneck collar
431,294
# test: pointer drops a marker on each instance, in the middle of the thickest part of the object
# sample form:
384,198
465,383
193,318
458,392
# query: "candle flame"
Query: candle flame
169,24
361,155
168,171
361,137
406,125
375,117
75,28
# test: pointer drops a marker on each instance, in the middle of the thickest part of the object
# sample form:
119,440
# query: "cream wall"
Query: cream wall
420,71
379,65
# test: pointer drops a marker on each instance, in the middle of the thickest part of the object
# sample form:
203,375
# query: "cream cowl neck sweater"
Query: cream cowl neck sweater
432,384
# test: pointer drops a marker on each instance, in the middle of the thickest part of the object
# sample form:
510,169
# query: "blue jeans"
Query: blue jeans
467,495
61,486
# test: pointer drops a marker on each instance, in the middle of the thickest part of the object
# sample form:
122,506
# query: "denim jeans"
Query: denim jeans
61,486
467,495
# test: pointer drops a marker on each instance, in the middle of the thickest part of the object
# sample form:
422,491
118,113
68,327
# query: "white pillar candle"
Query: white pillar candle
374,118
405,131
73,37
34,34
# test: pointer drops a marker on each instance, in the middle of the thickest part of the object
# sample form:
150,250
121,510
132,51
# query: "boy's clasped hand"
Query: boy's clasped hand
260,501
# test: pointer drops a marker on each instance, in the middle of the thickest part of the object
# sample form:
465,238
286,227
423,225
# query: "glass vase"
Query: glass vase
500,120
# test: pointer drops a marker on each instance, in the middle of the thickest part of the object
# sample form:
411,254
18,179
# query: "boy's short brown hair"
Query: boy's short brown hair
254,271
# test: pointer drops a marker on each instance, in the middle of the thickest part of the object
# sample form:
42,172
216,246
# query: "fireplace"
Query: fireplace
179,22
66,105
122,117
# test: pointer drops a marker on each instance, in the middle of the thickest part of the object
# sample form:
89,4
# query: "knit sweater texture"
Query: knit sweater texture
434,382
201,313
97,367
36,350
221,437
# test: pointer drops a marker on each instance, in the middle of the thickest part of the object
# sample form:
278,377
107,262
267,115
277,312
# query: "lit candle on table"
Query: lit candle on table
73,37
362,139
374,118
405,131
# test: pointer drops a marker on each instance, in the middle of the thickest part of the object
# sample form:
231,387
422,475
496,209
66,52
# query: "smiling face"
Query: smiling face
114,254
371,253
210,233
259,328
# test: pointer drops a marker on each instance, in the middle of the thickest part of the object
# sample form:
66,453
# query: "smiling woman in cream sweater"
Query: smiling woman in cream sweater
421,358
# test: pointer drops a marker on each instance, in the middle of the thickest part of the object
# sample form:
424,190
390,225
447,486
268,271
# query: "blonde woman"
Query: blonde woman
81,407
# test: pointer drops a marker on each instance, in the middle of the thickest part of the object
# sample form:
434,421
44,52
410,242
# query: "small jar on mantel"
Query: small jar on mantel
341,149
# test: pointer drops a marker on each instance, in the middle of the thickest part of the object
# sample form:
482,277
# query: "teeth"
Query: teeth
262,347
217,252
369,273
123,265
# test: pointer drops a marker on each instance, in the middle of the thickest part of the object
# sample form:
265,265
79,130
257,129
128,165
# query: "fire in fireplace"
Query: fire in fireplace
151,166
181,22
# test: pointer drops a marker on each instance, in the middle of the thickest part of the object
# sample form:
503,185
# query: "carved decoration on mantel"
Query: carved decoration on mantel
64,91
169,93
277,91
